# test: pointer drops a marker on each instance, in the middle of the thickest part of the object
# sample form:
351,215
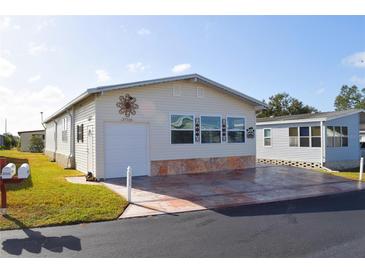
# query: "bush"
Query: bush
10,141
36,144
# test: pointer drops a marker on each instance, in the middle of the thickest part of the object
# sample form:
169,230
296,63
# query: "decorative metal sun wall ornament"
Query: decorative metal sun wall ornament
127,105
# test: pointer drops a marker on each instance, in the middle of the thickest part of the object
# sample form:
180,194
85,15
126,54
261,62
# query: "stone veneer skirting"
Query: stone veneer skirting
63,160
199,165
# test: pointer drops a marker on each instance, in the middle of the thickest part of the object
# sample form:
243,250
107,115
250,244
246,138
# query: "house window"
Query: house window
345,137
64,129
236,130
199,92
330,135
293,137
64,123
304,136
337,136
267,137
316,136
210,129
182,129
80,133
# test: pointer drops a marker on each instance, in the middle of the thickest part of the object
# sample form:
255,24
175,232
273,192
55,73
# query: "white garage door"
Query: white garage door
125,145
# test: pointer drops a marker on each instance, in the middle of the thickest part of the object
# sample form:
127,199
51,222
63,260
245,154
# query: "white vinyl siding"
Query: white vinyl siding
352,151
157,103
84,114
63,147
281,149
50,137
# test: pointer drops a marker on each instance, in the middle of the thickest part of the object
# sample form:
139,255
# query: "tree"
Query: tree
10,141
36,144
283,104
350,98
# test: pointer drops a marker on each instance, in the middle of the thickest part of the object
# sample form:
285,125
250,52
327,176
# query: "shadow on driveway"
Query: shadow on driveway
350,201
36,241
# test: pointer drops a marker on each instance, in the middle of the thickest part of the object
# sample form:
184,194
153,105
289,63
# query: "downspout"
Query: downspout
72,138
323,144
55,140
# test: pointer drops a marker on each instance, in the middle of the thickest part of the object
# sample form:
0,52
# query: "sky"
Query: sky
47,61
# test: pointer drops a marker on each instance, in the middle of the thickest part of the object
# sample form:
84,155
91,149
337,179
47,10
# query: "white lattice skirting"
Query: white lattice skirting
289,163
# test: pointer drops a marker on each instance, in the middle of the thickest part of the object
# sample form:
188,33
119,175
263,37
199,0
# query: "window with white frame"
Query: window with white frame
236,129
293,137
304,136
182,129
316,136
210,128
64,129
267,137
337,136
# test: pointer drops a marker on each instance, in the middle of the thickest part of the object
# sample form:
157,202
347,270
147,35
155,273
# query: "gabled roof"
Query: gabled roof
195,77
308,117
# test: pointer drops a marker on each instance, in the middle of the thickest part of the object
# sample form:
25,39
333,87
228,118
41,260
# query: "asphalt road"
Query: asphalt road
315,227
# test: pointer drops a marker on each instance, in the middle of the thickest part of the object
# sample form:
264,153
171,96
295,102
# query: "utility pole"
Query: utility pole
42,120
6,126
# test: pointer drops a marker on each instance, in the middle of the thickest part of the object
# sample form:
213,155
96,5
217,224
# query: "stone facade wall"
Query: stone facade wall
189,166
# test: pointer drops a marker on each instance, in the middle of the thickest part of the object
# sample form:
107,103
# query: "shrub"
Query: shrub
36,144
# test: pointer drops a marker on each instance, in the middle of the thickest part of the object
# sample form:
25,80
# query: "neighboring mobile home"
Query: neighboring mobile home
26,136
174,125
324,139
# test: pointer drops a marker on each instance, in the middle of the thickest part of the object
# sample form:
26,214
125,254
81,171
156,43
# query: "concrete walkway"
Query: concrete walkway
182,193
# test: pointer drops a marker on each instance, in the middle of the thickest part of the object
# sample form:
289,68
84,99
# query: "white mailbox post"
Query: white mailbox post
8,171
129,184
361,168
8,176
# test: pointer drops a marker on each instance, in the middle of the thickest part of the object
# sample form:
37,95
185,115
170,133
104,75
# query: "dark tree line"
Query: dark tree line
350,97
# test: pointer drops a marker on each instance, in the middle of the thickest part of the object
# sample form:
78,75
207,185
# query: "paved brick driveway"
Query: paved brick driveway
180,193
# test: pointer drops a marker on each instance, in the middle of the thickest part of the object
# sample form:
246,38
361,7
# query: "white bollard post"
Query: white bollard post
361,168
129,183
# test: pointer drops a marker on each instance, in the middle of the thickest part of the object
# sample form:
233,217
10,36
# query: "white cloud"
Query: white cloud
320,91
357,60
48,94
102,76
22,107
44,24
357,80
136,67
34,78
6,24
143,32
37,49
181,68
5,52
6,68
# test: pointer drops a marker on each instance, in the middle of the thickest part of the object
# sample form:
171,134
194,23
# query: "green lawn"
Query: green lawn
46,198
349,175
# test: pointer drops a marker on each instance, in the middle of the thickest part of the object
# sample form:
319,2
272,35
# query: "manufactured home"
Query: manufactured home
324,139
174,125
